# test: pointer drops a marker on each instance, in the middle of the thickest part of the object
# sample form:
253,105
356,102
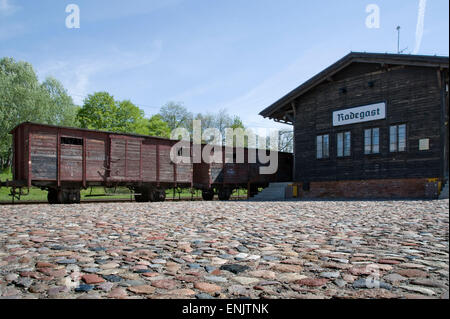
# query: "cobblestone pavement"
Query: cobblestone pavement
317,249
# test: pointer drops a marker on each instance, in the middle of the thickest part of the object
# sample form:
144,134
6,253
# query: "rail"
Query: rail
115,200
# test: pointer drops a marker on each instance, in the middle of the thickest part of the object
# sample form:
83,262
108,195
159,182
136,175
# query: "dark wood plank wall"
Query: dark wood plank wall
184,173
412,97
149,161
133,159
96,159
242,173
71,162
20,154
166,169
118,160
201,176
282,174
123,154
43,155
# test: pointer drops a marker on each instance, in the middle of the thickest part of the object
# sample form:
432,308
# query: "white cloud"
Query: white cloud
6,8
248,105
76,74
420,25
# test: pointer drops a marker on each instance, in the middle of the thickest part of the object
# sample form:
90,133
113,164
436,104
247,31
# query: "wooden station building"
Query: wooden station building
370,126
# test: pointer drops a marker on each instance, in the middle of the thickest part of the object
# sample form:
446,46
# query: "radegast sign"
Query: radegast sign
360,114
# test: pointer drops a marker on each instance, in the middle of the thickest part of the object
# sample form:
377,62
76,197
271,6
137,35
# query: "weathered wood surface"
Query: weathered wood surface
412,96
43,156
93,156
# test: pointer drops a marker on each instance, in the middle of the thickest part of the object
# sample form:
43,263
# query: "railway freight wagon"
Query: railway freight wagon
223,177
64,160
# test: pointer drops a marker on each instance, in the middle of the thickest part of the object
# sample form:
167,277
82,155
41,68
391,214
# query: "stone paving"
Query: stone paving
205,250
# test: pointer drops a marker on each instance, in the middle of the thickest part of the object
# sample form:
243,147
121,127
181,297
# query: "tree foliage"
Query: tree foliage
157,127
176,115
130,119
220,121
101,112
23,98
62,109
286,141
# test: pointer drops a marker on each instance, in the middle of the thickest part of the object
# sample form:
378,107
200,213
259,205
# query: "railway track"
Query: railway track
114,200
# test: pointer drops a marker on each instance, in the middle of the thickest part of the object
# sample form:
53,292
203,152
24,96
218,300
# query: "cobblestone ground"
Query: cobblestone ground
320,249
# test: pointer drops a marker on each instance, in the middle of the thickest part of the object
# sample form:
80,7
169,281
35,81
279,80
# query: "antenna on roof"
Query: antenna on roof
398,42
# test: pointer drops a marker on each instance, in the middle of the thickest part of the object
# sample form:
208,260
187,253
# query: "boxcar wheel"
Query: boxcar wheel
224,194
208,195
138,198
160,196
61,197
77,196
145,195
52,196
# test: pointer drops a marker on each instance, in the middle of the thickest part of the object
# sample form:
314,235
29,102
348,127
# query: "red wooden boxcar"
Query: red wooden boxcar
63,160
230,174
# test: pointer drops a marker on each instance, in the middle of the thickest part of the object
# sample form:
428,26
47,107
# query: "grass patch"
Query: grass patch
37,194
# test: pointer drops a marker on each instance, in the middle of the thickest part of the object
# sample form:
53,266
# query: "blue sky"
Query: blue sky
209,54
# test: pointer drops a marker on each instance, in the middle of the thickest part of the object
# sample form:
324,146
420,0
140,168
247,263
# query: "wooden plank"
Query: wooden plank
84,161
126,158
29,161
411,95
140,161
157,165
58,157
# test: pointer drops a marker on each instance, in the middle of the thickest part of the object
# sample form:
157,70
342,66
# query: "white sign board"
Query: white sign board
424,144
360,114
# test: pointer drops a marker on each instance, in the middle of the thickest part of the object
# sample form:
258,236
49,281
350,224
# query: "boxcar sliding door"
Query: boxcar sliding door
125,162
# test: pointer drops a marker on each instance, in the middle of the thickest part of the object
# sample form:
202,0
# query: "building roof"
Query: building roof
353,57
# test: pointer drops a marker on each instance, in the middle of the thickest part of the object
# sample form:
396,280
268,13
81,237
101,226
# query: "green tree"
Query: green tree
237,123
101,112
98,112
176,115
23,98
130,119
62,110
157,127
207,120
221,121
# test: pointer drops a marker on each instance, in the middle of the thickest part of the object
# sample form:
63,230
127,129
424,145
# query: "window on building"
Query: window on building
397,138
323,146
343,144
372,141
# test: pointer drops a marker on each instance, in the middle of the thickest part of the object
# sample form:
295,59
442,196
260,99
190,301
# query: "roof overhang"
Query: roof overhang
283,110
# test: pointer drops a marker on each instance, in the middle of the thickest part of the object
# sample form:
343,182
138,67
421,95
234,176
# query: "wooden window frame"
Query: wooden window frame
372,144
322,157
397,138
344,144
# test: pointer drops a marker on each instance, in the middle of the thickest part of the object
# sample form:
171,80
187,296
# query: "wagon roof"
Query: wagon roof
99,131
353,57
87,130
